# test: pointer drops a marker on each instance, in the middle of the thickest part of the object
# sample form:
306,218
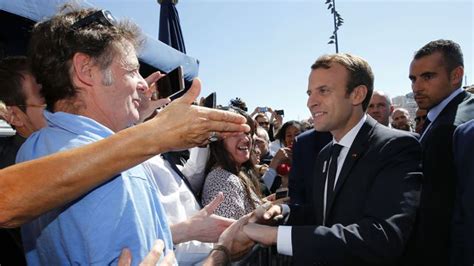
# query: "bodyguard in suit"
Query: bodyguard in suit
366,182
306,148
436,73
462,240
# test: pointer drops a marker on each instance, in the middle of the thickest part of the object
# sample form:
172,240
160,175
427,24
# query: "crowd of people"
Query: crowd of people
86,181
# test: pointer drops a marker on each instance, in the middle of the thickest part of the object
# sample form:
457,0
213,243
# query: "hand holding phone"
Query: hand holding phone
280,112
172,85
262,109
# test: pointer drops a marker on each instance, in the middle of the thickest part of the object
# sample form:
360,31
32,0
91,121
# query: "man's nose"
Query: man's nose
416,86
142,85
312,101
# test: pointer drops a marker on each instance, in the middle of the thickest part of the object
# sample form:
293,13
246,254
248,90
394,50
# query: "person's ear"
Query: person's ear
13,116
82,72
358,94
456,75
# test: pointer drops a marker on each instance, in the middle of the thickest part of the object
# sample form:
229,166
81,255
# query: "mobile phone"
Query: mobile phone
281,193
262,109
280,112
171,85
210,100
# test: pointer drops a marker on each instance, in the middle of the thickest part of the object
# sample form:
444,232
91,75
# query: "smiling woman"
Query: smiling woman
231,171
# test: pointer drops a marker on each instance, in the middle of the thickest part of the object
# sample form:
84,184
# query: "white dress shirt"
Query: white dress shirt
284,244
179,201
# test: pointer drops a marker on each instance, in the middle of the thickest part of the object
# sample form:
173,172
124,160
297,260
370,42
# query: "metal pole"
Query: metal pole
335,25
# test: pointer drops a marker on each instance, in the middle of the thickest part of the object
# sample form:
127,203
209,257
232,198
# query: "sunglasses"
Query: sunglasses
103,17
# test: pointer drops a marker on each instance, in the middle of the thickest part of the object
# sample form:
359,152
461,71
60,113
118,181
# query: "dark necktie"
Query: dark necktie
335,150
425,125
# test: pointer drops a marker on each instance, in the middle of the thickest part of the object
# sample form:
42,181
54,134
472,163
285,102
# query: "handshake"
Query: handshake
234,242
255,227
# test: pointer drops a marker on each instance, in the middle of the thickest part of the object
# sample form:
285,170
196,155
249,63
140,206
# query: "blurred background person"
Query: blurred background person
420,117
272,124
262,141
380,107
286,135
24,105
23,110
401,119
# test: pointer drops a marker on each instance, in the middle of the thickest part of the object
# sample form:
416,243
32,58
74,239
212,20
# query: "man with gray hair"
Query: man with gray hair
262,140
380,107
87,64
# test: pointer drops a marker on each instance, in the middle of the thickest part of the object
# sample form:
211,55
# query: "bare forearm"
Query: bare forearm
180,232
32,188
216,258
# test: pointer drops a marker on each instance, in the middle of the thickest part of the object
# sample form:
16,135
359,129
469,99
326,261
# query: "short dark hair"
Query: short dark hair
360,72
280,135
12,74
54,42
451,52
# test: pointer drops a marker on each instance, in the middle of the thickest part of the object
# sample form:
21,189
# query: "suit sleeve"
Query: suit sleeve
462,240
296,189
379,236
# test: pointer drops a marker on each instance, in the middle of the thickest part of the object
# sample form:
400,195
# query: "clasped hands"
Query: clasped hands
255,227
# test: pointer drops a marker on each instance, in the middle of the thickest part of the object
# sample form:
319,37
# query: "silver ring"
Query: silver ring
213,137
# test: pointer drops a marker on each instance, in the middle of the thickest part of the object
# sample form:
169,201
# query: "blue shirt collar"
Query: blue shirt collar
436,110
77,124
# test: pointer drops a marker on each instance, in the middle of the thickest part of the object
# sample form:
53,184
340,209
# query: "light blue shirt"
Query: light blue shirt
124,212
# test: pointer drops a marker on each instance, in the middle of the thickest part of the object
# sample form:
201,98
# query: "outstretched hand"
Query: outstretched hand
235,240
207,226
266,213
183,125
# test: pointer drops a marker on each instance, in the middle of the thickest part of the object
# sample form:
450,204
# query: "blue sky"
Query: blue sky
262,50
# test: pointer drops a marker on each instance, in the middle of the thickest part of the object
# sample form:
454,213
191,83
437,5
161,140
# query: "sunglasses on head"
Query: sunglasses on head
103,17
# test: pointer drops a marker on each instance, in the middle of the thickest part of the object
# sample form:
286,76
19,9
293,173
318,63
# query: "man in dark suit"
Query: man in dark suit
306,148
462,240
366,182
436,74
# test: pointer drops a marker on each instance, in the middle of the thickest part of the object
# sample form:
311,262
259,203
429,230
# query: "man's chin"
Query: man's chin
320,128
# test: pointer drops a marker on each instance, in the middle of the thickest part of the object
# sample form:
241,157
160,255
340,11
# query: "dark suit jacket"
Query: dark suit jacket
462,240
371,215
306,148
431,242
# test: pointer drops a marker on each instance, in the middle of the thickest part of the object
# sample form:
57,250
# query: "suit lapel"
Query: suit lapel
449,110
356,151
